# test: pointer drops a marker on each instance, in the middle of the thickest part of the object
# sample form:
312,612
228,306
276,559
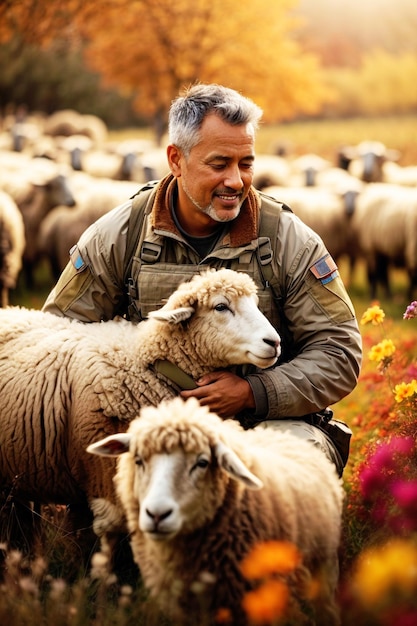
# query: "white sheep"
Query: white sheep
199,493
69,383
68,122
385,226
328,213
36,185
12,245
270,169
63,226
367,159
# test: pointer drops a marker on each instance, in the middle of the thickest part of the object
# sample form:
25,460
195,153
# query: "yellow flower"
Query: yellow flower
385,570
382,350
270,557
267,603
373,314
405,390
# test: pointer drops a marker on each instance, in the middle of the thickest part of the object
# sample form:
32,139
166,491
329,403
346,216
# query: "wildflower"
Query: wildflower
411,311
270,557
385,571
382,350
373,314
267,603
405,390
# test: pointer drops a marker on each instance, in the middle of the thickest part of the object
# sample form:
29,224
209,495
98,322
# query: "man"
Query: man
206,213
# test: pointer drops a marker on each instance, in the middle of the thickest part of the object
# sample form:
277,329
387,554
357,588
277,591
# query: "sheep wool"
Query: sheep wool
69,383
199,493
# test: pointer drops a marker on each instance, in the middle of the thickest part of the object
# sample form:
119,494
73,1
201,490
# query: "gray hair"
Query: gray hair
188,112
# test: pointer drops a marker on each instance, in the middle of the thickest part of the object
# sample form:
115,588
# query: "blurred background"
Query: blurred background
125,60
88,85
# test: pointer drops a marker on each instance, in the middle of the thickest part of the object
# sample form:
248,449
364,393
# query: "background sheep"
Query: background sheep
69,383
12,244
366,160
328,213
63,226
37,186
199,492
385,225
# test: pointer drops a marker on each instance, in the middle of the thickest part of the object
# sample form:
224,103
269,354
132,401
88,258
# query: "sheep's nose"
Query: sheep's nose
274,343
158,517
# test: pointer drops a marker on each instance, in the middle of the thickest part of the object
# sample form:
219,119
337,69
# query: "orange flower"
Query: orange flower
267,603
270,557
373,314
223,616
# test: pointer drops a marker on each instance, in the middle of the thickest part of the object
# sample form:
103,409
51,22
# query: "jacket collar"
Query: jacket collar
243,229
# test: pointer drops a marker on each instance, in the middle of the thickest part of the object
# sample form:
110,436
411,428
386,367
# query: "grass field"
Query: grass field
324,137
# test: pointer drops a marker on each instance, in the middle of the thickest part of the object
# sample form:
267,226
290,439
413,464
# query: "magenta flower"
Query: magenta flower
411,311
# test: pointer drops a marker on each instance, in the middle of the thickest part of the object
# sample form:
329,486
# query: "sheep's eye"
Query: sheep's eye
139,461
221,307
202,463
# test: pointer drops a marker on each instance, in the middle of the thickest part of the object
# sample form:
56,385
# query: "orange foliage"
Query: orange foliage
153,48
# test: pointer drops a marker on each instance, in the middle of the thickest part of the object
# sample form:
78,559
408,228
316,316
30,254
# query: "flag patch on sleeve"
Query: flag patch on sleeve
325,269
76,259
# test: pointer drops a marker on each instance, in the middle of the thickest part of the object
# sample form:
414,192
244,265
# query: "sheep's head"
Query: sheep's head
174,469
218,310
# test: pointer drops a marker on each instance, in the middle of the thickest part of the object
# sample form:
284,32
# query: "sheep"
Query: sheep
12,245
36,187
385,226
328,213
69,383
63,226
305,169
270,169
199,493
399,175
68,122
367,159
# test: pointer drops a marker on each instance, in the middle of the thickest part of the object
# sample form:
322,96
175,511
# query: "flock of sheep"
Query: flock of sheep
62,172
195,493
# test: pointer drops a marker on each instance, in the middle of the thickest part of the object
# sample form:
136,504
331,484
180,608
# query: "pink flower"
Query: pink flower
411,311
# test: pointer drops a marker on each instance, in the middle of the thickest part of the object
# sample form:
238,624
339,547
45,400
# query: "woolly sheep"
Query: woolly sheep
37,186
270,169
385,226
199,493
328,213
12,244
68,122
366,160
69,383
63,226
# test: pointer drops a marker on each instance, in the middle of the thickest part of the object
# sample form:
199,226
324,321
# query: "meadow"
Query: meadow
378,581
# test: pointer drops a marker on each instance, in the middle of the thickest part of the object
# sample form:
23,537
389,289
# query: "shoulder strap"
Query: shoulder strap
268,228
140,207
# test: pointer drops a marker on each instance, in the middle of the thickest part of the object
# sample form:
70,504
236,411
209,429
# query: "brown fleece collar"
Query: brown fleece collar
242,230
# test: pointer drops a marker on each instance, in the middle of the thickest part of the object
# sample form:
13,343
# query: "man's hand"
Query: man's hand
223,392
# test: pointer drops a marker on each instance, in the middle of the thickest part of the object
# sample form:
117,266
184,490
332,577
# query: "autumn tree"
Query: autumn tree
152,48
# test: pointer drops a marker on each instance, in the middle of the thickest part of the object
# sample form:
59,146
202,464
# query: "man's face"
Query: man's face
214,180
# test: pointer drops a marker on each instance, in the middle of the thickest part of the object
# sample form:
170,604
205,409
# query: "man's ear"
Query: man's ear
174,156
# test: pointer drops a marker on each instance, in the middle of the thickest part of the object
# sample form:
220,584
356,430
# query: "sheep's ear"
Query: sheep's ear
114,445
230,463
173,316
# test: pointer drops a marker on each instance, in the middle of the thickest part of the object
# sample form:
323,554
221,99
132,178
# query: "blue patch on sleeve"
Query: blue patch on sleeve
76,259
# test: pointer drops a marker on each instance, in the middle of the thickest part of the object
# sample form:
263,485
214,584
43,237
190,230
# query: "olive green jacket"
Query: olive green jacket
322,364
